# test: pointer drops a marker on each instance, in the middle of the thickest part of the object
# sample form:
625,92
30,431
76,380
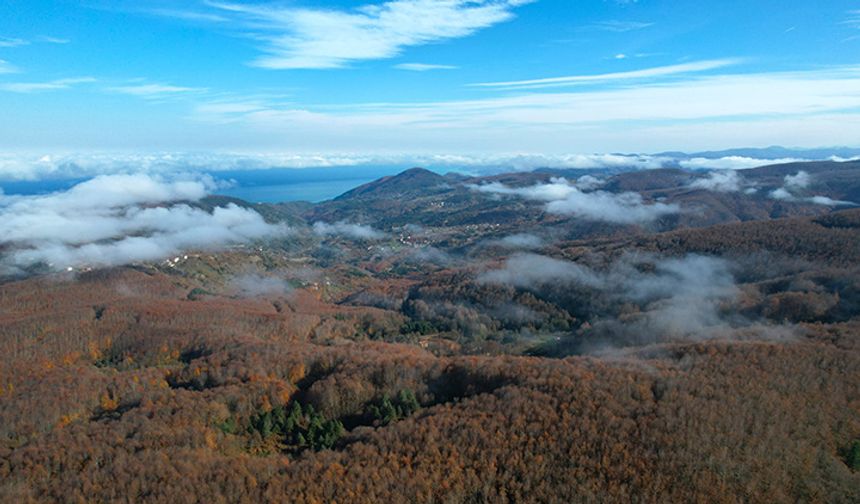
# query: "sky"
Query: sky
440,77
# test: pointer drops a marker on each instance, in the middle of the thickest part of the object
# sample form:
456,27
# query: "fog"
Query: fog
520,241
793,190
565,198
255,284
719,181
347,230
648,297
119,219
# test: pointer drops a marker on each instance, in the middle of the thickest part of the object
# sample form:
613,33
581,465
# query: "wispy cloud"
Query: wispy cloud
12,42
6,67
52,40
154,91
35,87
662,71
329,38
621,26
18,42
423,67
801,108
187,15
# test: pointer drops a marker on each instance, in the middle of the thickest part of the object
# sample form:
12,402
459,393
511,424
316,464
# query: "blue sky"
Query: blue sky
427,76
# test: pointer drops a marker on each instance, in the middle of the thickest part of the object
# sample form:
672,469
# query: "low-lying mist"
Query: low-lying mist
636,299
119,219
580,199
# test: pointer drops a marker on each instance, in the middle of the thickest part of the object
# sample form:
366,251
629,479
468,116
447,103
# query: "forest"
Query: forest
705,362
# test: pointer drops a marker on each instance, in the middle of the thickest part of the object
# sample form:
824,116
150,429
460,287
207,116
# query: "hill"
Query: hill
412,182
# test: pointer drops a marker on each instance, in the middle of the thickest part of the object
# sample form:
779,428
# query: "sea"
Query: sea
272,185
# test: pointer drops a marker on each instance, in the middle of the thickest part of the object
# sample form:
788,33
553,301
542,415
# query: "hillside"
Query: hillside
412,182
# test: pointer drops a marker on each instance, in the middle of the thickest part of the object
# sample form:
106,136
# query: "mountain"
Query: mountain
412,182
649,180
773,152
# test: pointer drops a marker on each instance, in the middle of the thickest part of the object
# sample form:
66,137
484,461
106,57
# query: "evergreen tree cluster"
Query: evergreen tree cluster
301,427
390,410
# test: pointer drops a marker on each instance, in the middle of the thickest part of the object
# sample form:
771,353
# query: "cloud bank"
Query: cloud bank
35,166
40,165
564,198
731,163
119,219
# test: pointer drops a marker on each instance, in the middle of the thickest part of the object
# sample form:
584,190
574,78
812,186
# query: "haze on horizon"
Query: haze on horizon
428,77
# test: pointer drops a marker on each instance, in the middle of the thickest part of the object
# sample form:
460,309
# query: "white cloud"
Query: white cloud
793,187
824,200
119,219
557,189
621,26
623,208
782,194
331,38
423,67
151,91
39,165
800,180
566,199
520,241
731,163
35,87
647,73
588,182
345,229
719,181
532,270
